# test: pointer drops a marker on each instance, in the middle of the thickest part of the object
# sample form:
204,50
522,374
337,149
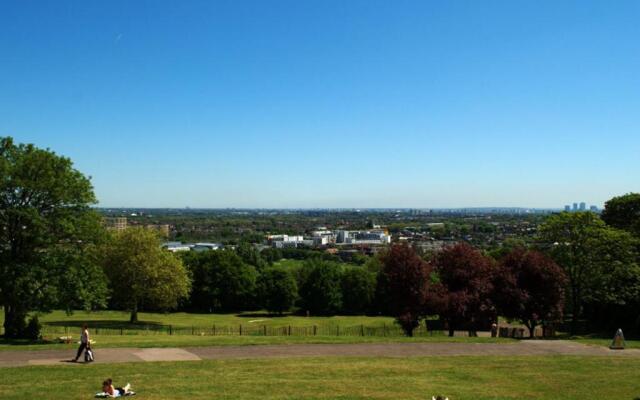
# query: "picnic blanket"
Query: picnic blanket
102,395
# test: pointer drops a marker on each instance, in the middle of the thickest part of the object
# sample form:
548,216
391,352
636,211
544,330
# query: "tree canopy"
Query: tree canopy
404,283
530,288
623,212
142,274
320,292
47,228
600,262
465,287
221,281
278,289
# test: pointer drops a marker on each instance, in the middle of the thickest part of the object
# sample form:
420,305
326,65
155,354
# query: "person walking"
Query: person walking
85,342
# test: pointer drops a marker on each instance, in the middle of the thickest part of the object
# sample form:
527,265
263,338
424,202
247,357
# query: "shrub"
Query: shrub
33,329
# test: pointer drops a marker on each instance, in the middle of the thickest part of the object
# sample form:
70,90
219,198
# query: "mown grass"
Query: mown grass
160,340
631,344
185,320
460,378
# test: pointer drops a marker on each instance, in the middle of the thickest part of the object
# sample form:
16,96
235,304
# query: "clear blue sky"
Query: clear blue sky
330,103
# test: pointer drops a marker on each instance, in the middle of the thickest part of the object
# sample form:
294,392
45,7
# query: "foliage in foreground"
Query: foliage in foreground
47,233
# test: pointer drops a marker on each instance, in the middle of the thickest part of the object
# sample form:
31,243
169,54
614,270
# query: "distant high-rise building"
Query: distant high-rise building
583,206
593,209
567,208
575,206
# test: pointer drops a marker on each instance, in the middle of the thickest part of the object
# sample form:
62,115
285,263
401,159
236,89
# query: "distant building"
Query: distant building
567,208
116,223
583,206
205,246
593,209
374,236
286,241
575,206
179,246
176,246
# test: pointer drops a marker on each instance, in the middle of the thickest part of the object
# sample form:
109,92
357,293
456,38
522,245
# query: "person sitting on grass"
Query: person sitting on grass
107,387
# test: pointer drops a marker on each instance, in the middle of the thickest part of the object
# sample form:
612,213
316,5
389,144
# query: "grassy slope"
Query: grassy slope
460,378
207,320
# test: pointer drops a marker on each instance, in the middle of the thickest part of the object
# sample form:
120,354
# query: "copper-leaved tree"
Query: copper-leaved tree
404,280
465,288
530,288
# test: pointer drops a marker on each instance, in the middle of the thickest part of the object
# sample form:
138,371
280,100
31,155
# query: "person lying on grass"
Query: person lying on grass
107,387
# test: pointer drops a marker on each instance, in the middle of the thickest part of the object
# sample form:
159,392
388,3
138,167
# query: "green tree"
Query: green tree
600,262
142,274
221,281
251,256
278,289
623,212
321,292
47,227
358,290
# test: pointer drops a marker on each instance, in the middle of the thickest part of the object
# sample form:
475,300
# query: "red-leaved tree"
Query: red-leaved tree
530,288
405,282
465,289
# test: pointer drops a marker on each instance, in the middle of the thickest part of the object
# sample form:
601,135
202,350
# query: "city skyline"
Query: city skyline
330,104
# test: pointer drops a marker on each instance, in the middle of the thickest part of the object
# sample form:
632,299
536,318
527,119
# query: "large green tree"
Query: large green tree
358,290
142,274
623,212
321,292
600,262
221,281
47,231
278,289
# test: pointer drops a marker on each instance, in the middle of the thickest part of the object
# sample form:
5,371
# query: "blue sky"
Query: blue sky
330,103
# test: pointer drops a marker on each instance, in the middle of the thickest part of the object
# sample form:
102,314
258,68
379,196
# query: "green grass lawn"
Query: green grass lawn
460,378
187,320
631,344
104,327
158,340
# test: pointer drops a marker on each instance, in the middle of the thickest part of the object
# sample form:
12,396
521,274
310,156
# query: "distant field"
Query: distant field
460,378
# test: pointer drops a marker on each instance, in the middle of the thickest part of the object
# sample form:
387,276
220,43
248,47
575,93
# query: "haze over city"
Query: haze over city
330,104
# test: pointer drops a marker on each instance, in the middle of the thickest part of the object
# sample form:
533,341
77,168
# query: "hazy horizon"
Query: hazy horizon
301,105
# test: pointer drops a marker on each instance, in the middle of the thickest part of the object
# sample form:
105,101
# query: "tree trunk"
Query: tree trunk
450,332
14,322
532,329
134,314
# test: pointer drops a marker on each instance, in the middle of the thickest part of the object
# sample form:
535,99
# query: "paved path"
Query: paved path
113,355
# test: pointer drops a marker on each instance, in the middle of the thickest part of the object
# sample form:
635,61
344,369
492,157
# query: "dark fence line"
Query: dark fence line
242,330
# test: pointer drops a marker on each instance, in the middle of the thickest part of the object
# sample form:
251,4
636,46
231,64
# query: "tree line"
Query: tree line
54,253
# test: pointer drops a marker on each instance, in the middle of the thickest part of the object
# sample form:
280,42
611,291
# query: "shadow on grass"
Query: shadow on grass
23,342
109,324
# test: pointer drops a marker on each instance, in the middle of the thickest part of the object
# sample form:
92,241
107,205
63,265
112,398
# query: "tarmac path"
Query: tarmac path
117,355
